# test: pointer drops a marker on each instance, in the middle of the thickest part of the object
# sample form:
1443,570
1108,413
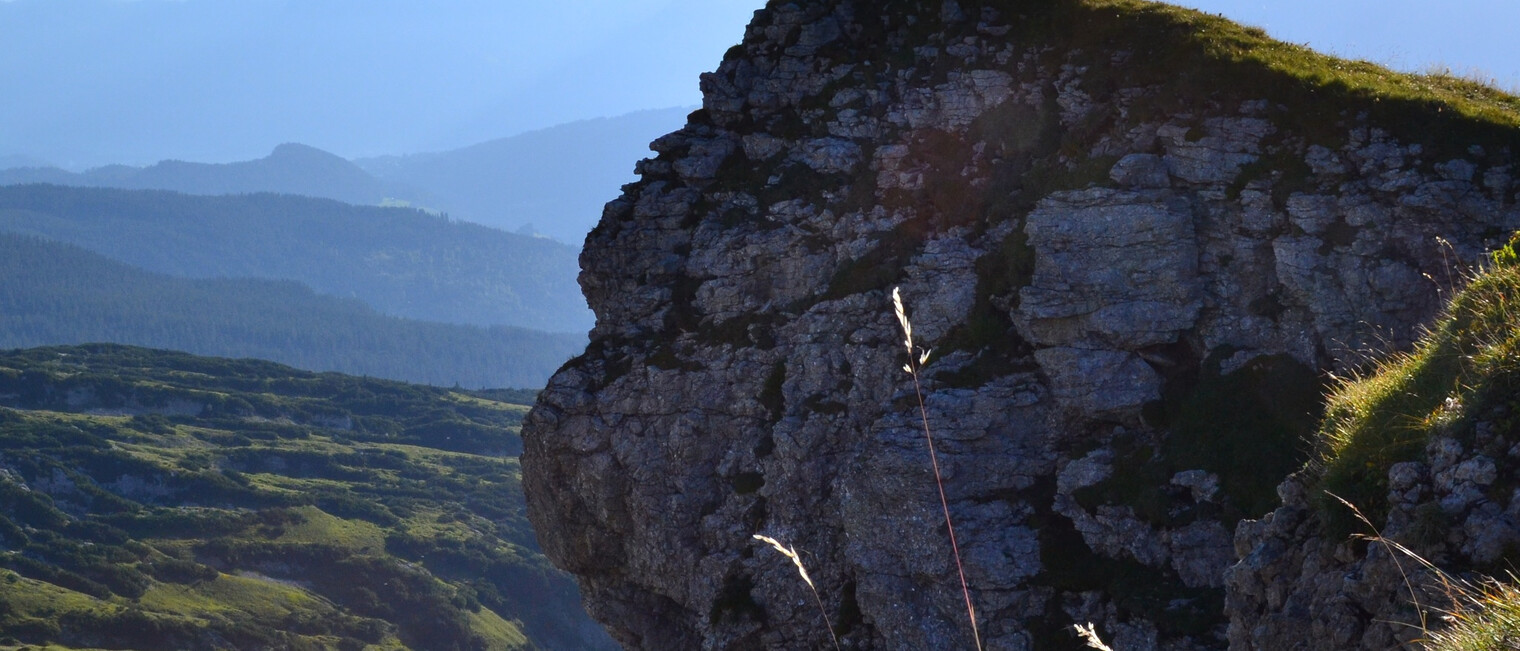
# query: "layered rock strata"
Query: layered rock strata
1131,294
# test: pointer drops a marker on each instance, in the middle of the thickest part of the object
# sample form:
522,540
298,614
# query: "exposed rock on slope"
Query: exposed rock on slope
1133,246
1426,448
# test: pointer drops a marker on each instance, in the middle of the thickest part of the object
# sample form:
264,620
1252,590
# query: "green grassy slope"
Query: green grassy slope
1198,56
153,500
1197,60
1465,370
1462,376
59,294
402,262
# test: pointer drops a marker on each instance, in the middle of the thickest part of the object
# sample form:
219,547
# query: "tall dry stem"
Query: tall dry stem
1396,550
1089,634
917,359
1482,613
802,571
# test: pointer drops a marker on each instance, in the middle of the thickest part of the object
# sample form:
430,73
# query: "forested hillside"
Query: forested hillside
402,262
290,169
59,294
153,500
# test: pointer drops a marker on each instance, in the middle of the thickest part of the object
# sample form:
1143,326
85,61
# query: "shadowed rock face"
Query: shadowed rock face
1129,308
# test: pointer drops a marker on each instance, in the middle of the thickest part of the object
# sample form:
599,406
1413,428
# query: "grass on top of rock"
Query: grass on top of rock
1199,58
1468,365
1195,59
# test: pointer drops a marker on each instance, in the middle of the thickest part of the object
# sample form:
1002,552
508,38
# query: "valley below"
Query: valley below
157,500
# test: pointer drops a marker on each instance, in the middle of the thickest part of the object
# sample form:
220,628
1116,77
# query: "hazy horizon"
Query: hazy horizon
98,82
136,82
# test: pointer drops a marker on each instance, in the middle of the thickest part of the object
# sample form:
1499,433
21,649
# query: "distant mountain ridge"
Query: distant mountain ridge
552,181
402,262
290,169
60,294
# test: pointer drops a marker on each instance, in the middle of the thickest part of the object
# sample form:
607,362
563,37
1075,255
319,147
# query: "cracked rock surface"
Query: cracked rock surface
1096,278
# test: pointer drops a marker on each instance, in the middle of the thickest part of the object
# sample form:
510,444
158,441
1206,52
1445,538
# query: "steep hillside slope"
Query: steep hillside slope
153,500
553,181
1135,236
291,168
58,294
402,262
1426,447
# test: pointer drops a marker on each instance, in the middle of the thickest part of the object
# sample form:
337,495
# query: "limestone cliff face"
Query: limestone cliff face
1131,291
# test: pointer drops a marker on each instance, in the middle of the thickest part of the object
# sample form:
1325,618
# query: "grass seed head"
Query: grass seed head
1089,634
789,553
902,318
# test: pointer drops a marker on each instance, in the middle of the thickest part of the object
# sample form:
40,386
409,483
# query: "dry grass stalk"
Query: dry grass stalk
1089,634
1483,616
915,361
1486,618
1377,537
802,571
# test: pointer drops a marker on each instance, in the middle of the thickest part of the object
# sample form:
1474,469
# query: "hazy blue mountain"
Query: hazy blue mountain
402,262
59,294
553,181
290,169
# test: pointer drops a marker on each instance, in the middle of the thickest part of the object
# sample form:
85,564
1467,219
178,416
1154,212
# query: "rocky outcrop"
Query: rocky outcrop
1302,585
1131,293
1424,472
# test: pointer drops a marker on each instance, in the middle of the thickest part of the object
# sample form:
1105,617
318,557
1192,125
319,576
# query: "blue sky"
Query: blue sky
91,82
1470,37
96,81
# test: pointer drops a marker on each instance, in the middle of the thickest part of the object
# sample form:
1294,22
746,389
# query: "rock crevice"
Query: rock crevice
1097,262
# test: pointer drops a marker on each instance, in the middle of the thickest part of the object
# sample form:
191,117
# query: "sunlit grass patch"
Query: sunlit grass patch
1232,43
1196,59
521,410
1468,364
1486,619
316,526
259,597
25,597
497,632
